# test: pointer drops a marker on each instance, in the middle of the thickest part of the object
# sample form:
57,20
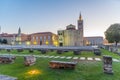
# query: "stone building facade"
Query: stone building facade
41,38
94,40
9,37
20,38
44,38
72,36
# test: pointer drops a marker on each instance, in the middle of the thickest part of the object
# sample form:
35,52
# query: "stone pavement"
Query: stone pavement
65,57
4,77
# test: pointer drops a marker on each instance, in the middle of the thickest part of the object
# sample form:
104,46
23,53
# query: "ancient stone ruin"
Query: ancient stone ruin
29,60
62,65
7,59
107,64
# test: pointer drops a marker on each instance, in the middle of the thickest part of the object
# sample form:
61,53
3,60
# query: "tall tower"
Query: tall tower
18,38
80,31
19,32
80,22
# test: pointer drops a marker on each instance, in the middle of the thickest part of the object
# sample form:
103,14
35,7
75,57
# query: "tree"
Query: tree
112,34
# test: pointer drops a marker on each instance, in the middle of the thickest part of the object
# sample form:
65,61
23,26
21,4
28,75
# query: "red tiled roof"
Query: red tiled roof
42,33
94,37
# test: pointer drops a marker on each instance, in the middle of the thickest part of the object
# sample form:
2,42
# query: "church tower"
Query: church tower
80,23
80,30
19,32
18,37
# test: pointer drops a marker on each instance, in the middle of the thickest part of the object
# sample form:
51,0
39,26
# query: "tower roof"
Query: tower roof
80,17
19,31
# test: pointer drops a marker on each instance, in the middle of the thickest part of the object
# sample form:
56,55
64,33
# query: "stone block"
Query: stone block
29,60
89,58
43,51
107,64
59,51
82,58
76,52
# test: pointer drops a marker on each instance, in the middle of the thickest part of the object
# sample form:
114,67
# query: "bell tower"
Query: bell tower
18,37
80,22
80,31
19,32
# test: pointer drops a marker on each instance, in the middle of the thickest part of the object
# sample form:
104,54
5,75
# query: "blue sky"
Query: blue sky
51,15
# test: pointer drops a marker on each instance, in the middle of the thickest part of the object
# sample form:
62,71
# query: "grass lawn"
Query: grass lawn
85,70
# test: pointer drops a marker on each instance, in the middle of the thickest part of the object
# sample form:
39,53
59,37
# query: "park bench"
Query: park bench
62,65
7,59
29,60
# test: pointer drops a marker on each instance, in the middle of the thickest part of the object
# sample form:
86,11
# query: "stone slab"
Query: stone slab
82,58
56,56
97,59
68,57
37,56
46,56
75,57
89,58
62,57
50,56
115,60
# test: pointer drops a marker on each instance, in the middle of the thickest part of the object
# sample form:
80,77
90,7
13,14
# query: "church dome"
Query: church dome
70,27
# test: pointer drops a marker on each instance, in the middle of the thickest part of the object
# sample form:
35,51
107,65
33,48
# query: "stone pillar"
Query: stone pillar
107,64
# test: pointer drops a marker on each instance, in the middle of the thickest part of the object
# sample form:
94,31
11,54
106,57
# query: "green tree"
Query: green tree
112,34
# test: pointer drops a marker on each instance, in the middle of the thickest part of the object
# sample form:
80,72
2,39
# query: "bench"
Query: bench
62,65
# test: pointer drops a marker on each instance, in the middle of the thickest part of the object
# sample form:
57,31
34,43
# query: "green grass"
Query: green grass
114,55
85,70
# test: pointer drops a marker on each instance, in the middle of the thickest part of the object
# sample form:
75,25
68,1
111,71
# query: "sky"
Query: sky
51,15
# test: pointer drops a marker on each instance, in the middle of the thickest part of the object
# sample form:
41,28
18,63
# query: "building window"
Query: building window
44,38
36,38
33,38
40,38
49,38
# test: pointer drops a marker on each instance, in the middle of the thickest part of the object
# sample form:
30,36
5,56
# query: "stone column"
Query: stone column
107,64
